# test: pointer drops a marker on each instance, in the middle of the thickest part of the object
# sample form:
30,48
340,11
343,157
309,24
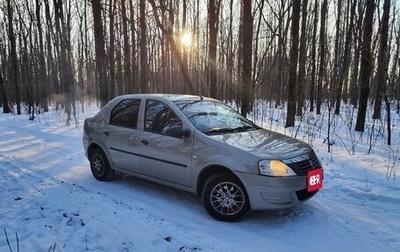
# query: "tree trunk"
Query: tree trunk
143,48
302,60
129,85
346,58
213,12
67,80
322,53
43,80
50,44
354,77
366,66
134,48
334,92
100,53
382,61
3,96
247,57
291,107
314,58
111,52
14,59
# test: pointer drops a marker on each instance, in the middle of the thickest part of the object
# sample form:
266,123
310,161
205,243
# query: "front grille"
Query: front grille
301,165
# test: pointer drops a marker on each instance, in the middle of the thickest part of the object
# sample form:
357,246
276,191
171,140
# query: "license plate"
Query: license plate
314,179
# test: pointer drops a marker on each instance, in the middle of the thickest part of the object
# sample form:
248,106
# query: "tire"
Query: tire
100,166
225,197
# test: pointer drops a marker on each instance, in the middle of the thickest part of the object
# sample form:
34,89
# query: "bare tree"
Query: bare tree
129,85
313,58
67,80
336,85
111,52
13,57
100,53
291,107
322,63
51,42
135,46
43,80
134,49
247,41
354,76
168,34
382,61
213,13
3,96
366,65
302,59
143,48
342,74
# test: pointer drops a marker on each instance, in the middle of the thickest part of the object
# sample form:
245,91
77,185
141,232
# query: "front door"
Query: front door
162,155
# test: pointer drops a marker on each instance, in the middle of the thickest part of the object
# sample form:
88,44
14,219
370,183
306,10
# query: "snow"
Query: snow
51,202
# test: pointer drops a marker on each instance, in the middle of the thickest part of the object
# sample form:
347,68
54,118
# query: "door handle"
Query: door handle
106,133
145,142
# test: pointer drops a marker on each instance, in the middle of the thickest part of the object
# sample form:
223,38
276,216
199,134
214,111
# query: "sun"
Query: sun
186,39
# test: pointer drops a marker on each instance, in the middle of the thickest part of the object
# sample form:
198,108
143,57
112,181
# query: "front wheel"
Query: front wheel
225,197
100,166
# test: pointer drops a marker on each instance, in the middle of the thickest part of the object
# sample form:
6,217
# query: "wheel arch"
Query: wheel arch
209,171
91,148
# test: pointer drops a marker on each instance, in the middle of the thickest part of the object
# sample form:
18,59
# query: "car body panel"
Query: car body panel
166,158
123,147
264,144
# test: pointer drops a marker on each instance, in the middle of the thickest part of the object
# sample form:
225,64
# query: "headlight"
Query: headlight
274,168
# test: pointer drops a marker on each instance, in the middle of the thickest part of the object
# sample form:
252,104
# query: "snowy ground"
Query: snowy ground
51,202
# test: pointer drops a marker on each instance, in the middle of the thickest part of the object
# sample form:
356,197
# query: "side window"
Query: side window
159,118
125,113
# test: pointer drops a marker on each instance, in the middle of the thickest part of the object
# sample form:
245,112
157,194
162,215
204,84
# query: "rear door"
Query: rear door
123,135
162,155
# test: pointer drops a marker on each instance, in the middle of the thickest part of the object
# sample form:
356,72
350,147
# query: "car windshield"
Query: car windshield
212,117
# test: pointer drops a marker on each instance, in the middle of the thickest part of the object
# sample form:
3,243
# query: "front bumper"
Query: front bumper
273,193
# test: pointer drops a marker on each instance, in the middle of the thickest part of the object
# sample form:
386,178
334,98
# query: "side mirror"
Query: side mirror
178,132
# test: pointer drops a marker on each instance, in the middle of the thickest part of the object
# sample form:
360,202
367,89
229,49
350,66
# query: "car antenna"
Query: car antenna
201,97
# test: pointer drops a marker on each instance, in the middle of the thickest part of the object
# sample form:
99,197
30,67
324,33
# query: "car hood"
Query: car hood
265,144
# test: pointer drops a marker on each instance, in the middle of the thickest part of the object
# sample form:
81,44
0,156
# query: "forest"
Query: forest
299,54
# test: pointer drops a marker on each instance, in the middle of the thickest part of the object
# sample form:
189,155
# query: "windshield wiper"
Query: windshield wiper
243,128
219,131
229,130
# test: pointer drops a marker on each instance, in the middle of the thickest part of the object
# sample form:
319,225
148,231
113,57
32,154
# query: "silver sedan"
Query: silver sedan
203,146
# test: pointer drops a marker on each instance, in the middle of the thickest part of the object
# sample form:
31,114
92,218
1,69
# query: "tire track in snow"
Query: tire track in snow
54,204
60,201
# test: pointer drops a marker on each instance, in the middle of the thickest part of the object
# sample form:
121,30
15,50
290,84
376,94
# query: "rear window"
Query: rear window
125,113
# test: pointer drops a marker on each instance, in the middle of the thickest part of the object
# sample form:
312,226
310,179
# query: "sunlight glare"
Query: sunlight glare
186,39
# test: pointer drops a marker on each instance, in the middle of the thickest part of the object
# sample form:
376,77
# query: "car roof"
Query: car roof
170,97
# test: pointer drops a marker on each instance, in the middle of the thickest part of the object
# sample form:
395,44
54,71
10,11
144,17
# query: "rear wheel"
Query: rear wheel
225,197
100,166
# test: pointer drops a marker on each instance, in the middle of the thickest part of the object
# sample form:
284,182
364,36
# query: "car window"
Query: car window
125,113
159,118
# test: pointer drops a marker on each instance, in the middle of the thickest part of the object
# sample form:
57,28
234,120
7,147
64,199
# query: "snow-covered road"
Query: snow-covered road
49,198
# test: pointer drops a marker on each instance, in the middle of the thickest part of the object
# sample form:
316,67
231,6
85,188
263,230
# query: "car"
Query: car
203,146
